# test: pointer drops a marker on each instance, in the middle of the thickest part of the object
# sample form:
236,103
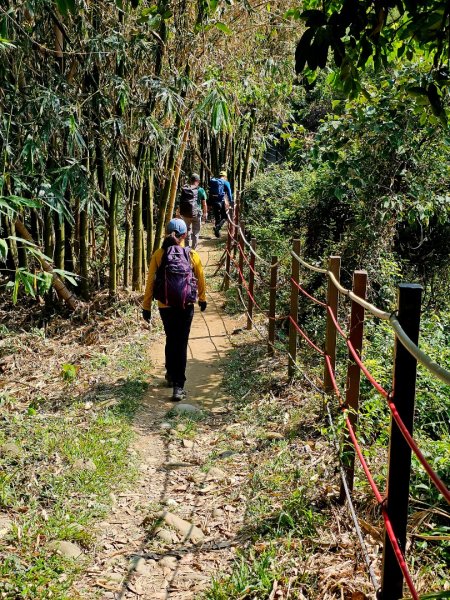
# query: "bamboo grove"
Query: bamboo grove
105,109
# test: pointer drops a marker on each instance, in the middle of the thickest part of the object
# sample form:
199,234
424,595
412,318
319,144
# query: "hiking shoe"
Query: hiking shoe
178,394
217,232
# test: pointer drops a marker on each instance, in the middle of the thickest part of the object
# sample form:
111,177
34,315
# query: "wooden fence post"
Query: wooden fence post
295,272
241,250
236,219
272,305
404,391
353,376
334,265
251,286
226,282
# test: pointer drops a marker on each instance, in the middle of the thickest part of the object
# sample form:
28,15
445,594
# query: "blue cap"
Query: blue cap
177,225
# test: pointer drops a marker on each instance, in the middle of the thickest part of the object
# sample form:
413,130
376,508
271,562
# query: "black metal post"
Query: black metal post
404,390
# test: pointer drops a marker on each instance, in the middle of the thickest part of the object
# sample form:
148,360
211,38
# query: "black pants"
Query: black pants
220,215
177,326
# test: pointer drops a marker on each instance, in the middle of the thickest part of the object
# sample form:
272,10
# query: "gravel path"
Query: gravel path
179,525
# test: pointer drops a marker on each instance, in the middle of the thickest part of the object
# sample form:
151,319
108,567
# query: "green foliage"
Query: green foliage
377,33
253,576
62,500
371,178
31,283
69,372
34,283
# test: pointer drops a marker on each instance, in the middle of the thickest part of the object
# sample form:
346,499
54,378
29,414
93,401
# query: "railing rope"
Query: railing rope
424,359
394,509
421,357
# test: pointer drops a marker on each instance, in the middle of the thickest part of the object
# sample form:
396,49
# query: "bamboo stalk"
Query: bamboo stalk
176,174
59,286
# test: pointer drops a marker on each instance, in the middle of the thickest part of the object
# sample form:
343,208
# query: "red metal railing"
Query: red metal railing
394,520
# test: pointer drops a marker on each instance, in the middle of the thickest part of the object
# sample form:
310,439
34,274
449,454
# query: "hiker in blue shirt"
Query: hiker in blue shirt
220,200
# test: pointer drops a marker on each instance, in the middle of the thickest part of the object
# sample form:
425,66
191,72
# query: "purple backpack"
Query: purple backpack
175,283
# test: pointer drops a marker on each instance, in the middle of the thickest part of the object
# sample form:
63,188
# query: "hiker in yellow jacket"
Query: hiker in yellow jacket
175,276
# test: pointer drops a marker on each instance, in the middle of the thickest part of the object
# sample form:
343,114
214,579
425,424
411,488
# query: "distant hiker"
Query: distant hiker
174,277
193,208
220,200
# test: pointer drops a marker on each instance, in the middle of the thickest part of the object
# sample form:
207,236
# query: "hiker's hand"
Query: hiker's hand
147,315
203,305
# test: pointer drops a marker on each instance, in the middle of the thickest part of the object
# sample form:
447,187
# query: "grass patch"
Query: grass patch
285,513
59,471
293,482
253,576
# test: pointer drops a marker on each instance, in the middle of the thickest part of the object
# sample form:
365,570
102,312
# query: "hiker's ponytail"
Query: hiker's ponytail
171,240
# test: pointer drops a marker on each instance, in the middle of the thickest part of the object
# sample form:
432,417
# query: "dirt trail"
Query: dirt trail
134,559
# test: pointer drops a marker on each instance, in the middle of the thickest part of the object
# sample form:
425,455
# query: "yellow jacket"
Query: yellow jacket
155,263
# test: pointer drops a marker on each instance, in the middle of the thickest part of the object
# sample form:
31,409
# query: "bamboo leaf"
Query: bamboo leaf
3,249
5,44
66,275
66,6
223,28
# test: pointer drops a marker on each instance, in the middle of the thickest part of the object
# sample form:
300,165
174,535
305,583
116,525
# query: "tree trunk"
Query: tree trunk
144,257
127,249
113,239
215,168
48,233
137,238
34,221
11,258
245,170
58,223
164,199
58,285
176,174
21,251
69,262
233,165
84,254
150,208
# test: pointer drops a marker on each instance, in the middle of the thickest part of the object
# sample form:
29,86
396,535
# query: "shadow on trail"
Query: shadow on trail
210,348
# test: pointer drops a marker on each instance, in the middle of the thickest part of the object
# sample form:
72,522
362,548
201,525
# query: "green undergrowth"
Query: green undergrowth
292,513
60,471
288,505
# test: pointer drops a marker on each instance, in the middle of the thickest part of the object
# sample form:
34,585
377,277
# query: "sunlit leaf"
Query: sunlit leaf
222,27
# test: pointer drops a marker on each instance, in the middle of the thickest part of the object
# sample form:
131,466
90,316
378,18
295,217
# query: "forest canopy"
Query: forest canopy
106,107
